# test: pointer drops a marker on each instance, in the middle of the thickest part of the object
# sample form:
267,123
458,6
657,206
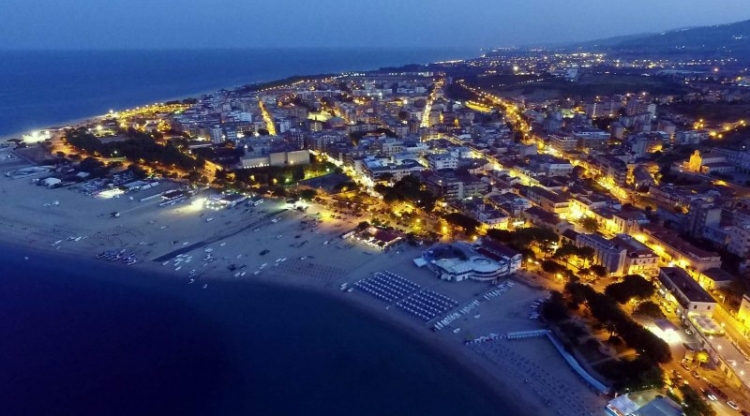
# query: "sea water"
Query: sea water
43,88
81,336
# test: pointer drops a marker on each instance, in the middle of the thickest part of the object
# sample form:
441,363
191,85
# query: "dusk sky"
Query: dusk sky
83,24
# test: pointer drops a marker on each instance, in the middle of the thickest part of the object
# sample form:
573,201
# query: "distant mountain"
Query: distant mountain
719,41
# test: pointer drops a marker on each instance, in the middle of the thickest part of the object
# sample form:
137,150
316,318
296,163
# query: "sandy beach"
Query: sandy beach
270,244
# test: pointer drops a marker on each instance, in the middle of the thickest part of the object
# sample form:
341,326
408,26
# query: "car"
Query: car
695,374
733,405
264,252
684,365
689,332
708,394
720,393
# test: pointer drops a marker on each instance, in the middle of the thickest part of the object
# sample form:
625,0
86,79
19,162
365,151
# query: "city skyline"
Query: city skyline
330,23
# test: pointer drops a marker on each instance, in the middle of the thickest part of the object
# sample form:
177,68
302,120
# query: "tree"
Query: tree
701,357
632,286
308,194
586,254
468,224
554,309
93,167
649,309
565,251
298,173
598,270
605,309
550,266
576,292
363,226
590,224
694,404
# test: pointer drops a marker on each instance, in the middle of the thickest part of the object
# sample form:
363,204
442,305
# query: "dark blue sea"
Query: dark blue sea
43,88
82,337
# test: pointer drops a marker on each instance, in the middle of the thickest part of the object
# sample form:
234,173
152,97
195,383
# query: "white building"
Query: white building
442,161
459,261
217,135
687,293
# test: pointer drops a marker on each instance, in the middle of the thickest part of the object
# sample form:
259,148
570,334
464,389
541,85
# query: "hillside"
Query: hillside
719,41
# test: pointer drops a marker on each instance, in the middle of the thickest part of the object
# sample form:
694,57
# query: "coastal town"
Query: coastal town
576,224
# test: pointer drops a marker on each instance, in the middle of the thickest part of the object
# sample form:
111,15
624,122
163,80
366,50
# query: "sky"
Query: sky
166,24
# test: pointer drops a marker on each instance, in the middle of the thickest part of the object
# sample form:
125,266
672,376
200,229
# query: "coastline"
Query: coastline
26,223
454,355
92,118
262,79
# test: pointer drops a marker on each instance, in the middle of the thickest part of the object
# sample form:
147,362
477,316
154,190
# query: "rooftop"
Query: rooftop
690,289
718,275
674,240
543,215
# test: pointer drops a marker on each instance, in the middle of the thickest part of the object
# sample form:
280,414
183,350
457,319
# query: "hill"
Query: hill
718,41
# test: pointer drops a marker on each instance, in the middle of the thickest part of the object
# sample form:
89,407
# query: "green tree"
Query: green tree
694,403
298,173
308,194
554,309
590,224
632,286
649,309
468,224
586,254
598,270
550,266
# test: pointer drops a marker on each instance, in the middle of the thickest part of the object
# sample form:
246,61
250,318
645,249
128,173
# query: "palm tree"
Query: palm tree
701,357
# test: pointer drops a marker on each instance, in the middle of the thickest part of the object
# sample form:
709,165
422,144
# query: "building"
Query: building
217,135
739,240
628,222
542,218
643,403
442,161
452,187
621,255
500,253
686,292
548,200
743,315
672,248
460,261
639,259
376,168
702,214
714,279
262,159
606,252
225,201
563,143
